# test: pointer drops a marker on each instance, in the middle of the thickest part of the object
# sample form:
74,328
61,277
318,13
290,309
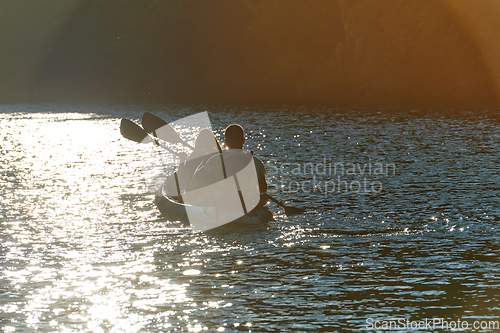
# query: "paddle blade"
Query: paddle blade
134,132
161,129
151,123
293,210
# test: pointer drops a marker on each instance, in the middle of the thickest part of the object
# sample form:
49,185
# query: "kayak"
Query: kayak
205,218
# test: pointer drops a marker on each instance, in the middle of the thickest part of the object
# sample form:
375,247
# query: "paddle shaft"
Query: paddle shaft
136,133
273,200
166,148
161,129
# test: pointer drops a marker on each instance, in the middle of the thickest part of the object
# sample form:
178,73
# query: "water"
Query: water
84,249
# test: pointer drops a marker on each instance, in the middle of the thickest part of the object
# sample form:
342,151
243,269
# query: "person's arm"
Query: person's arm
261,175
262,184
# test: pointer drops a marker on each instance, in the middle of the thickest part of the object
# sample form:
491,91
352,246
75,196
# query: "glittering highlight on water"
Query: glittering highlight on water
83,249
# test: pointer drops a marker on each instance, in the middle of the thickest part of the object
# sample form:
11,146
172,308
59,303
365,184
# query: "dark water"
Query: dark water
412,233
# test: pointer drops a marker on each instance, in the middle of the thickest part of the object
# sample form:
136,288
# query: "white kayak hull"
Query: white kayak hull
206,218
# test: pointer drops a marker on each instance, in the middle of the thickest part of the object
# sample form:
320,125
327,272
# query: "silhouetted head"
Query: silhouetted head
206,143
234,136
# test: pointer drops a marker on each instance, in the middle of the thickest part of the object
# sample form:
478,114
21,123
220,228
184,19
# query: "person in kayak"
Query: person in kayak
205,147
233,161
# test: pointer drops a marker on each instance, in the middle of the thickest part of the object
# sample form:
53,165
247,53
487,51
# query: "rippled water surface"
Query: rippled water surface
413,231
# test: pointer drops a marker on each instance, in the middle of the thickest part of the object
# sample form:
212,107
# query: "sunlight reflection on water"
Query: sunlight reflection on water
84,249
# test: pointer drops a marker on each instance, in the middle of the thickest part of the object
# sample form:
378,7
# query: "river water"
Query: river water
402,224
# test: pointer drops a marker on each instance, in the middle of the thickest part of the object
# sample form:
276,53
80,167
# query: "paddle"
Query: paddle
161,129
151,123
289,210
136,133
